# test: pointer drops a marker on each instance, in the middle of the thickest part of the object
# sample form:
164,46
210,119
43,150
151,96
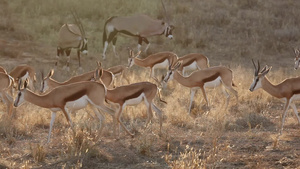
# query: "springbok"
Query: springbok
191,62
140,26
154,61
206,78
67,98
119,71
72,36
48,83
6,81
134,94
24,72
288,90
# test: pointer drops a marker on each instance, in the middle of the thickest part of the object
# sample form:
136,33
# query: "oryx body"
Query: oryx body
141,26
72,36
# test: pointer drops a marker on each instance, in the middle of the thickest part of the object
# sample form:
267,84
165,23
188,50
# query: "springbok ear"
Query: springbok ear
26,83
50,73
266,71
98,73
139,52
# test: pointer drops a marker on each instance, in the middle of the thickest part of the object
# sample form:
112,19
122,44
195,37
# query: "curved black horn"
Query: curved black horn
78,22
256,71
165,11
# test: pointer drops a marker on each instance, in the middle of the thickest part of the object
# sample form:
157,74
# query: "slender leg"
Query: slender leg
287,104
68,52
100,117
193,91
226,95
232,91
78,55
104,50
204,95
149,111
114,47
119,119
53,115
295,111
159,113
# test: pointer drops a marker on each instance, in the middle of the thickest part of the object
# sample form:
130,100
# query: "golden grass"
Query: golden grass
228,33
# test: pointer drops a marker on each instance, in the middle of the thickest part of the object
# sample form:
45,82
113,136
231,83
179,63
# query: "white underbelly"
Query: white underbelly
296,97
161,65
23,78
135,101
77,104
192,66
213,84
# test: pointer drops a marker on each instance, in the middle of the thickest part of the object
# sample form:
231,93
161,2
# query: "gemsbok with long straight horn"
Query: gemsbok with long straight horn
160,60
191,62
67,98
206,78
133,94
288,90
140,26
72,36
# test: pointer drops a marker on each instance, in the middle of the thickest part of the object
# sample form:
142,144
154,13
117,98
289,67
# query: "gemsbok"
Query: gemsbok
72,36
6,81
140,26
297,59
211,77
160,60
48,83
67,98
134,94
191,62
288,90
24,72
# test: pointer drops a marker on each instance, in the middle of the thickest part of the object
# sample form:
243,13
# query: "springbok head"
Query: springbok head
258,76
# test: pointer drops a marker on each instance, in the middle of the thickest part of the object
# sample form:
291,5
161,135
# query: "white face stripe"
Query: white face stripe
256,84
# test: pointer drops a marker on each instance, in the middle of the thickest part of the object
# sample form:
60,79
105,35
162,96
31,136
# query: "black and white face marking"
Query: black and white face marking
168,32
19,99
169,76
297,60
130,62
256,84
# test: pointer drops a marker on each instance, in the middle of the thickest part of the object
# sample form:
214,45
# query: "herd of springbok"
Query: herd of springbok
98,88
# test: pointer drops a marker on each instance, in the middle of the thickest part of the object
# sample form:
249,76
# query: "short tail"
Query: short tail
104,38
159,96
233,84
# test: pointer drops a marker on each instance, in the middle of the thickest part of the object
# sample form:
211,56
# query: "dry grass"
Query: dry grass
229,33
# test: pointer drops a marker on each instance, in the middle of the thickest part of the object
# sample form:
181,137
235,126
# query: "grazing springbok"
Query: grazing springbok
133,94
72,36
288,90
191,62
67,98
24,72
48,83
6,81
206,78
119,71
140,26
155,61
